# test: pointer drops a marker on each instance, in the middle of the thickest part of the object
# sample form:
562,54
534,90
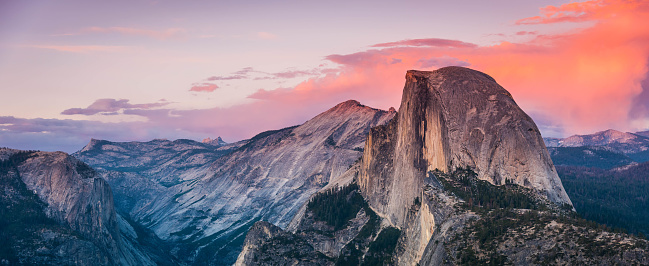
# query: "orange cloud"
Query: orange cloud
583,80
586,11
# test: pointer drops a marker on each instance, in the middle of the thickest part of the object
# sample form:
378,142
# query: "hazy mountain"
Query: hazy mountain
604,149
203,198
460,176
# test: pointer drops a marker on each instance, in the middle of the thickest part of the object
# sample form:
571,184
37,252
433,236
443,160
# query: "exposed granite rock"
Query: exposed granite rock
515,210
267,244
454,117
79,205
190,195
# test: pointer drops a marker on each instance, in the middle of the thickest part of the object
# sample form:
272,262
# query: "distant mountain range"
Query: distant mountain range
605,149
459,176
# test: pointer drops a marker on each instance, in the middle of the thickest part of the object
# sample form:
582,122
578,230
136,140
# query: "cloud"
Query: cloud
171,33
110,107
240,74
247,73
585,79
289,74
580,81
216,78
266,35
437,62
71,135
204,87
82,48
432,42
521,33
587,11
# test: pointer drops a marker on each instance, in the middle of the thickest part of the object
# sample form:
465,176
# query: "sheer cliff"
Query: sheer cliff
454,117
68,213
460,176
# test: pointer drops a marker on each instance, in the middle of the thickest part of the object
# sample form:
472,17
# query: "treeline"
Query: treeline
21,211
16,159
381,250
336,206
464,183
617,198
588,156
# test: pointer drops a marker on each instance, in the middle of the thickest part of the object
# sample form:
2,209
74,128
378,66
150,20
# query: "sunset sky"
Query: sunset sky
139,70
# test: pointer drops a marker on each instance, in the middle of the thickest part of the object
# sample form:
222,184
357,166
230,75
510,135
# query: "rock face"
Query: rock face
204,203
454,117
267,244
75,199
464,176
216,142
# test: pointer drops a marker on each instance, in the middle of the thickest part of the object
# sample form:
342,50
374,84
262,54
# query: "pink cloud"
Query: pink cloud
110,107
433,42
204,87
521,33
577,82
437,62
587,11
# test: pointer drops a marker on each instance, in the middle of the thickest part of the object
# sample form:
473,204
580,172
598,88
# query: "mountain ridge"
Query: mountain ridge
268,176
430,199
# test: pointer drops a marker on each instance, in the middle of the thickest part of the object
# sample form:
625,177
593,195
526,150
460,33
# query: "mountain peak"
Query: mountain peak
452,118
454,72
93,144
600,138
217,142
349,104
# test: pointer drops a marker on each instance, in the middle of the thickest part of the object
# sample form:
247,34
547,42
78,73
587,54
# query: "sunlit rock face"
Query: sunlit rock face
454,117
204,198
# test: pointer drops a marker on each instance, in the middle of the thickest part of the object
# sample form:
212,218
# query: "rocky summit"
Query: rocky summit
454,117
460,176
202,198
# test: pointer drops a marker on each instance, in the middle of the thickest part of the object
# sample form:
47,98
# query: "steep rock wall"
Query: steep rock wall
454,117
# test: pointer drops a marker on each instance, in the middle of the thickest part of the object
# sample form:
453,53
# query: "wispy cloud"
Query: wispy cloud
522,33
82,48
431,42
110,107
204,87
251,73
442,61
233,77
586,11
170,33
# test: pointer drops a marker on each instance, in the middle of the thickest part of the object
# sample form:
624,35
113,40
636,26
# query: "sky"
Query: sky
139,70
